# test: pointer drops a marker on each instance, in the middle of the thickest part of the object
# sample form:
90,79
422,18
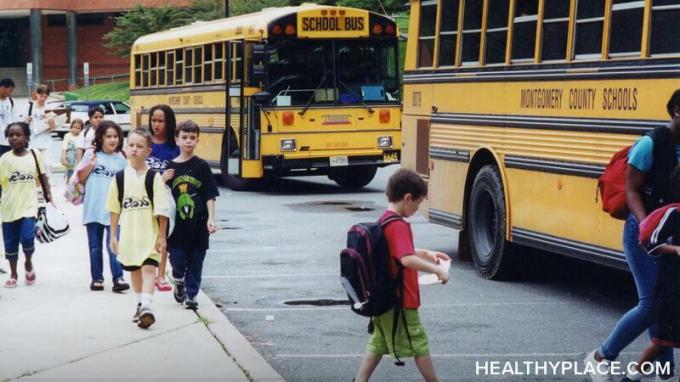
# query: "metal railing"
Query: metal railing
52,84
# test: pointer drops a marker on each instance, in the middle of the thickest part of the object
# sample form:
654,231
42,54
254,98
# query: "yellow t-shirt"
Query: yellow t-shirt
138,223
19,178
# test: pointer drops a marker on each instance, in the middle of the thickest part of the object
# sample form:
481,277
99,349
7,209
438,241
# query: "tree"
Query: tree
141,21
241,7
389,6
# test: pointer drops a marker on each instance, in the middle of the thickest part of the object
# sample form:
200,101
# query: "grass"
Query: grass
117,91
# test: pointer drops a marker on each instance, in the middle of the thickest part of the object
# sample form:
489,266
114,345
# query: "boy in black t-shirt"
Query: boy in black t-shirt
194,190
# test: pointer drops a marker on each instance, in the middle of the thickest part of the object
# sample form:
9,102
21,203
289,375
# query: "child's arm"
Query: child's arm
113,243
211,216
432,256
161,244
63,157
416,263
85,172
46,185
666,249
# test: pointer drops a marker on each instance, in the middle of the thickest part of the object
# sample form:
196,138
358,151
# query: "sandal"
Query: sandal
97,285
120,285
29,279
11,283
163,285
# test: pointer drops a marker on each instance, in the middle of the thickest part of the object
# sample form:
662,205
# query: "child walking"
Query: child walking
143,223
19,170
69,147
162,125
41,126
194,190
95,115
660,237
103,163
405,191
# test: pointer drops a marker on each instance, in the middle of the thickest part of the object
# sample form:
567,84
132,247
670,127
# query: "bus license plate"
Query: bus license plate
338,161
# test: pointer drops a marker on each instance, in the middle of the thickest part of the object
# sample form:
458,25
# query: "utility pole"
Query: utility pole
226,8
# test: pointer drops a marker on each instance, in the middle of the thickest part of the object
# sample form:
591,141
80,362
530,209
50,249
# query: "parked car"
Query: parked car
116,111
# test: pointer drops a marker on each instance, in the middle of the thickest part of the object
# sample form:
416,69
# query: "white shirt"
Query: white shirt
40,136
85,141
8,114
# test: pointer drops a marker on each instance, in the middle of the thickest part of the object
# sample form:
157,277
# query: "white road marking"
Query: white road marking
453,355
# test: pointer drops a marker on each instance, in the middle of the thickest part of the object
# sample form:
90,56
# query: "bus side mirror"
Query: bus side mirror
261,98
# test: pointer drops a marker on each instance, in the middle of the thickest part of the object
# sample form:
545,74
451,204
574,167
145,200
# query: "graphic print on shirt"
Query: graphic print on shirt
71,153
185,203
103,171
131,203
21,177
156,164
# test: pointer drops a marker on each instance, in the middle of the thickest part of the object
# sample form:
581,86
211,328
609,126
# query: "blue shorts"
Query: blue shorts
22,232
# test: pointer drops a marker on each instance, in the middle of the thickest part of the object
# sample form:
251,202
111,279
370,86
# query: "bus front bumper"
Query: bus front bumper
278,165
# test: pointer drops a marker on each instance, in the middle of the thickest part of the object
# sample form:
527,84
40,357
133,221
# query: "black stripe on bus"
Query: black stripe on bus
555,167
450,154
179,90
590,125
445,218
571,248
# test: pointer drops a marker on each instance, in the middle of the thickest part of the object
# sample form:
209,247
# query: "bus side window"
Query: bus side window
589,22
179,66
472,31
626,27
161,68
188,65
219,61
448,32
555,30
524,32
236,63
154,69
208,63
170,67
198,64
426,33
138,70
497,31
665,14
145,70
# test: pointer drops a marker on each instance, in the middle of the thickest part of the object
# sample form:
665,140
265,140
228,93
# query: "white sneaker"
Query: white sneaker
598,371
634,376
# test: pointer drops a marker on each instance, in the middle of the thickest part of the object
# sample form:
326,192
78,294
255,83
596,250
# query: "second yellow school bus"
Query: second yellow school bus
512,109
311,90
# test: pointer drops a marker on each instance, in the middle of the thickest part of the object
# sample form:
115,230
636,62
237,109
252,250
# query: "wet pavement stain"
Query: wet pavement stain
334,206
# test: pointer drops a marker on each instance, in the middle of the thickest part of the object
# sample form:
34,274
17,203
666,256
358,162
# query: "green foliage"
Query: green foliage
117,91
388,6
242,7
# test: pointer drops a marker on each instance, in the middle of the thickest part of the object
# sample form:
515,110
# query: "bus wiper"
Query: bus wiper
356,95
309,102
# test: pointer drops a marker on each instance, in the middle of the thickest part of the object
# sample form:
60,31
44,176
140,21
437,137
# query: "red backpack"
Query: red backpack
612,185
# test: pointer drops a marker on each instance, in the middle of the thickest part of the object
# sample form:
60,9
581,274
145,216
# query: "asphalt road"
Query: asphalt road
277,254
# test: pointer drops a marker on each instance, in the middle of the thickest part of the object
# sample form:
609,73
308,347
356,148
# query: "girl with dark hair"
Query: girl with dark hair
19,170
104,161
651,161
162,125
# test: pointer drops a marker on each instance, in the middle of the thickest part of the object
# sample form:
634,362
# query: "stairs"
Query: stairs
18,75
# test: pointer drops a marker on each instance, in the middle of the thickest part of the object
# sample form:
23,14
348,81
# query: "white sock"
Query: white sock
139,298
147,299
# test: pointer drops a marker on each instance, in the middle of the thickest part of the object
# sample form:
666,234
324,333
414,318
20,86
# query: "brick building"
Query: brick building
58,36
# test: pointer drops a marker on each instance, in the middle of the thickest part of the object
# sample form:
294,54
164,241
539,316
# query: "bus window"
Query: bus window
179,66
448,33
426,35
555,30
154,69
497,31
161,68
138,70
237,63
219,61
188,65
524,33
626,27
198,64
170,67
366,71
589,21
208,63
472,31
145,71
665,14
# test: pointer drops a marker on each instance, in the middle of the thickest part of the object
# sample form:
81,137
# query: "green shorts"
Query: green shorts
381,339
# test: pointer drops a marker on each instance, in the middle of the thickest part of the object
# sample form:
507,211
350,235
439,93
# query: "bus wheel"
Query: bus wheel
353,177
486,225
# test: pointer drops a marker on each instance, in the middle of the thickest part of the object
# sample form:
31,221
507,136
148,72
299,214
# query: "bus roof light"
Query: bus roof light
277,30
333,12
290,29
377,29
389,29
385,116
288,118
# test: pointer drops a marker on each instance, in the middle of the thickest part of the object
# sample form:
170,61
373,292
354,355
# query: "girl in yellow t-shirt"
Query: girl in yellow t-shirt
143,224
19,170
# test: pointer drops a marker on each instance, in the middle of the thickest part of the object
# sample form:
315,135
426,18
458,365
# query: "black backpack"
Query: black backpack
148,185
365,273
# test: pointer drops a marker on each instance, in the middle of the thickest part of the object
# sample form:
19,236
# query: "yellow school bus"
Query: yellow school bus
512,109
311,90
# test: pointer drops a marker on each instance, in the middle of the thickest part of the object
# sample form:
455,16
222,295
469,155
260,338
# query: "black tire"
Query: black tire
486,226
353,177
234,182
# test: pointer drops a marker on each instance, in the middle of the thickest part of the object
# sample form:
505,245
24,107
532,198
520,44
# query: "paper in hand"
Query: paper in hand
430,278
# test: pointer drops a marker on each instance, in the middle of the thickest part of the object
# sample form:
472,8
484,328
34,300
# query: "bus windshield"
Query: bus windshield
338,72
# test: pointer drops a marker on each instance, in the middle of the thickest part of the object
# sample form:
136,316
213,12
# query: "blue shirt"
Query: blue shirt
97,186
641,155
161,154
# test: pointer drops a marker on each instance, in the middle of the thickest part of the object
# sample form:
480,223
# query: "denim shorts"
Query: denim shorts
22,232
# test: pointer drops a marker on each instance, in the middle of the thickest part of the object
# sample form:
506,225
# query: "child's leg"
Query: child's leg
116,268
368,365
10,236
179,262
95,233
161,266
27,238
136,278
426,368
193,276
649,354
148,280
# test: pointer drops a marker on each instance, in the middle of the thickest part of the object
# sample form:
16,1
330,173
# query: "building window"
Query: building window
138,70
448,32
555,30
208,63
90,19
524,32
170,68
472,31
219,61
56,20
426,36
188,65
179,66
665,14
589,22
497,31
626,28
198,64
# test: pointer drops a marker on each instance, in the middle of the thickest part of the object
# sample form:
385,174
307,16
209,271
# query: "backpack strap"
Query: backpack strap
120,183
40,174
11,102
148,184
30,108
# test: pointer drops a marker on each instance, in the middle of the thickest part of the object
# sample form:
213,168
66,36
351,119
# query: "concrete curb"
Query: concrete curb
235,344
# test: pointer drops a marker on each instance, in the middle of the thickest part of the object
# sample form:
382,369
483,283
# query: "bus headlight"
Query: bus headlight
288,145
384,142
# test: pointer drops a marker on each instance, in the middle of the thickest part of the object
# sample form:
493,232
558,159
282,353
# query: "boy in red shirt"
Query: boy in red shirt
405,191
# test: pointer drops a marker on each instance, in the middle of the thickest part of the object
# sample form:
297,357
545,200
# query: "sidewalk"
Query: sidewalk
59,330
